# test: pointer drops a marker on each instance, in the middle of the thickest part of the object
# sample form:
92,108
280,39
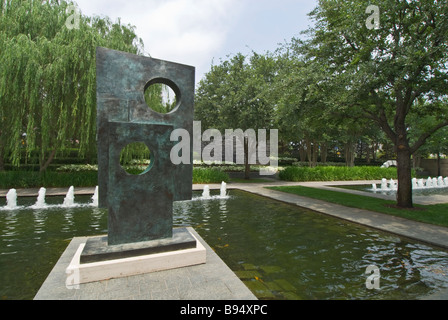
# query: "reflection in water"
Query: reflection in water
32,241
282,252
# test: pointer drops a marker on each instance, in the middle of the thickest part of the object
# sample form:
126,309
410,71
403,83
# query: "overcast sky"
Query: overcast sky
197,32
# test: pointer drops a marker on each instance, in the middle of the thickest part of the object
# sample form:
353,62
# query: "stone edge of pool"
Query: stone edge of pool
213,280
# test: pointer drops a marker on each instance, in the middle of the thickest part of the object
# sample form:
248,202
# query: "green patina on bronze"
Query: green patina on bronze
140,207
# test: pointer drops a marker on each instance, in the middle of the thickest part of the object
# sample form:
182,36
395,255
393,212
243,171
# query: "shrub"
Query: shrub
209,175
32,179
84,176
336,173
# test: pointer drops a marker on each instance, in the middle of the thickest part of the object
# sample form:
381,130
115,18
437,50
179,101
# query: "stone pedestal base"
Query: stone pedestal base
95,261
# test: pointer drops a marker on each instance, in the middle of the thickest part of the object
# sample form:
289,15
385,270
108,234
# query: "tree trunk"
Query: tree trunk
323,152
315,153
44,166
309,152
283,147
404,193
359,149
375,147
2,165
368,153
349,155
246,159
302,152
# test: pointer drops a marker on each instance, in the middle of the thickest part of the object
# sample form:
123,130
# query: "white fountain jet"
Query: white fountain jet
384,185
414,183
95,198
206,192
40,202
420,183
434,182
69,199
223,189
392,185
417,184
11,199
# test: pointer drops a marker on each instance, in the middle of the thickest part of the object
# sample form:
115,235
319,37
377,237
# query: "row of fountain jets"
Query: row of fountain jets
417,184
222,194
69,200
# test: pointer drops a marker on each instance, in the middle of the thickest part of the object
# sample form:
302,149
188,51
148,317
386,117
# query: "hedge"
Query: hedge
336,173
73,176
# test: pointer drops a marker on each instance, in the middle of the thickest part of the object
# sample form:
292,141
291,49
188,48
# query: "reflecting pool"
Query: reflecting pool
279,251
32,241
284,252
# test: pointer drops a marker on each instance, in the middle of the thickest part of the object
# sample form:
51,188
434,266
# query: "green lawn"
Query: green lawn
434,214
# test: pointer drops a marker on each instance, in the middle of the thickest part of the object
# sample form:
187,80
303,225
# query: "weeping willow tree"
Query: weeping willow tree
160,98
48,78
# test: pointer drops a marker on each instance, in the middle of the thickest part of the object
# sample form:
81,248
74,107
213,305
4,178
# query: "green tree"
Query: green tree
235,94
308,115
420,121
48,78
301,115
383,71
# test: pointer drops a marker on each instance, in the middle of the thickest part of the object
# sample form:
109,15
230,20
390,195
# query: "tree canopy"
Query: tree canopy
375,74
48,77
235,94
362,73
389,72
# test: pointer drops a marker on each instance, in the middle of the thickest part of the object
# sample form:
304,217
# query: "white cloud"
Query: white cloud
185,31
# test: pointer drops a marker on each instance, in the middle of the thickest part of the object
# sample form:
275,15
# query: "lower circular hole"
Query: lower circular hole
135,158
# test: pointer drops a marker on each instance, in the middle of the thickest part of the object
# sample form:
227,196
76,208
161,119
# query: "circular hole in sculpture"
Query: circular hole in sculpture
162,95
135,158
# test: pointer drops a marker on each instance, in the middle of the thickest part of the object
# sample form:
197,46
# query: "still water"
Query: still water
279,251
